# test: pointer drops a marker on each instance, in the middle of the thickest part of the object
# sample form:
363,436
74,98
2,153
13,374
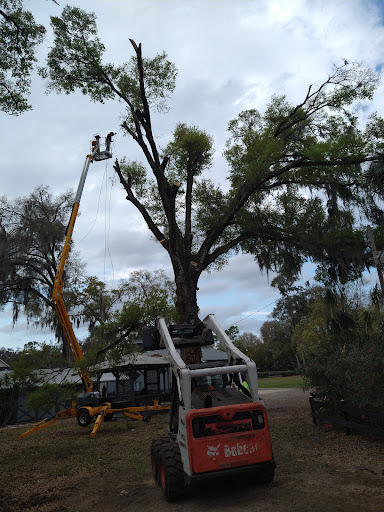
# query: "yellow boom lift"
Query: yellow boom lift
90,404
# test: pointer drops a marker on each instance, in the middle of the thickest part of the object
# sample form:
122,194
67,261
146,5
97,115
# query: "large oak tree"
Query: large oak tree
302,177
32,231
20,36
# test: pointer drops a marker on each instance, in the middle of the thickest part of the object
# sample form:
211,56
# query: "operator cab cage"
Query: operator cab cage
187,335
183,335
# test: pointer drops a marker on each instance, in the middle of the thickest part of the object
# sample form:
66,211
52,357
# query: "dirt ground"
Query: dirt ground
318,469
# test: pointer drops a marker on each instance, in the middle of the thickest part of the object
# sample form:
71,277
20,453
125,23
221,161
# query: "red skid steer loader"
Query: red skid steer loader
218,426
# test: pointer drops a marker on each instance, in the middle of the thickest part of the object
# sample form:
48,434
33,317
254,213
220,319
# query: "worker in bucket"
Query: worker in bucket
108,141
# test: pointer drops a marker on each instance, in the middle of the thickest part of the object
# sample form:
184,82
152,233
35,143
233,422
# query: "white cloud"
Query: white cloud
231,55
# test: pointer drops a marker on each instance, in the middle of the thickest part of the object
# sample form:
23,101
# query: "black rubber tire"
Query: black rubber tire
171,472
267,475
83,417
108,417
156,446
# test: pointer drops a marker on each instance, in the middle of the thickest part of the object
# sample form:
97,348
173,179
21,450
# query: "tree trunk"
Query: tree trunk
186,306
186,290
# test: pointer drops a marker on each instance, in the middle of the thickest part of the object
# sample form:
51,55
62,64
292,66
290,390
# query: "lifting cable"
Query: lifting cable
107,213
107,227
96,215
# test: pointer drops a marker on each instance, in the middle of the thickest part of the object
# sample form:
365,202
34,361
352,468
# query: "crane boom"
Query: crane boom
57,298
89,404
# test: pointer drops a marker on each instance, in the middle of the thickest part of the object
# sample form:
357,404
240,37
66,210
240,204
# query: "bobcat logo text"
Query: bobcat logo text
232,451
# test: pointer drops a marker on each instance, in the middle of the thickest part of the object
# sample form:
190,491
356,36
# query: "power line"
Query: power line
306,282
255,312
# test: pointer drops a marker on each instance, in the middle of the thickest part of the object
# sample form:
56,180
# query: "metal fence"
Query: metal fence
154,385
21,413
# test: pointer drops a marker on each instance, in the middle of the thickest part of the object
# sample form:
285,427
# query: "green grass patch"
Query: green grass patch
293,381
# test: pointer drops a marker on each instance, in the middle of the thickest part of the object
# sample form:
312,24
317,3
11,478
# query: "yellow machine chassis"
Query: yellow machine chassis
100,412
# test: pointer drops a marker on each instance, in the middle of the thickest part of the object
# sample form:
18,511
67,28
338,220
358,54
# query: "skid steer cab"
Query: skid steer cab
217,425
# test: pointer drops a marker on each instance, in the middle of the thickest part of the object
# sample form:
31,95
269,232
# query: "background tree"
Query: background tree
7,354
34,359
31,368
233,332
253,346
344,351
279,351
296,184
115,317
20,36
290,309
329,314
32,232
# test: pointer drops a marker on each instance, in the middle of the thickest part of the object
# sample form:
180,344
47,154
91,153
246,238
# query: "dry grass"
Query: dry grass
64,454
60,469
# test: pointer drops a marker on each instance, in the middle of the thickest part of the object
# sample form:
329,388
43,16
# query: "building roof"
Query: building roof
140,359
4,365
160,357
47,375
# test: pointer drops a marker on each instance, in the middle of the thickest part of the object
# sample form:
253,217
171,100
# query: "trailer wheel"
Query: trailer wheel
156,446
83,417
171,472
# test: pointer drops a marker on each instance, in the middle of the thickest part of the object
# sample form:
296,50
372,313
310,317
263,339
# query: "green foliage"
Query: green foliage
31,370
289,151
352,373
49,395
254,348
115,317
32,232
20,35
7,354
296,192
248,343
232,332
75,61
278,350
345,351
75,37
190,151
160,80
136,175
33,358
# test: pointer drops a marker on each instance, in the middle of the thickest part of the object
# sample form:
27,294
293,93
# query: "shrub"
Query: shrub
50,395
352,371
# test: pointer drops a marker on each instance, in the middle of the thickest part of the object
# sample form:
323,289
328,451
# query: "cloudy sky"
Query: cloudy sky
231,55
